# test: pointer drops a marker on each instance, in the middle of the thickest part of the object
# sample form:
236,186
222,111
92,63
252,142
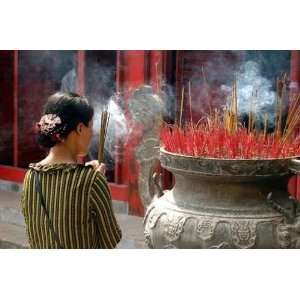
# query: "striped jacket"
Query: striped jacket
79,204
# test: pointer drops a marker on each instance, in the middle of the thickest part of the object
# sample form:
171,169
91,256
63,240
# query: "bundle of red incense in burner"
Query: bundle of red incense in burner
223,136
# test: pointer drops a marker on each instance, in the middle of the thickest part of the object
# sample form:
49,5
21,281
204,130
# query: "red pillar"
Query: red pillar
156,64
16,108
132,76
158,73
80,84
135,68
179,81
119,146
80,72
295,71
293,185
7,107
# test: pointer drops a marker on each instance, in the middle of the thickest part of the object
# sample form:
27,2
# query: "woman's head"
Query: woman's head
67,118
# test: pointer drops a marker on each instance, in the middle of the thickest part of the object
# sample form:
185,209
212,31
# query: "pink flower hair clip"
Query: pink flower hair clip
48,122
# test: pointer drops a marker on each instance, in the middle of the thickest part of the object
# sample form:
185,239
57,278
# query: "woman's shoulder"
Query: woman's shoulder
47,167
95,177
63,167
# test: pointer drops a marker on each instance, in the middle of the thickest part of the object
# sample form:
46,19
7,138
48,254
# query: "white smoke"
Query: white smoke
117,127
255,92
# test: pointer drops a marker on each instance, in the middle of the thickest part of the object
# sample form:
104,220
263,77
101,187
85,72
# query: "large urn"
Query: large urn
220,203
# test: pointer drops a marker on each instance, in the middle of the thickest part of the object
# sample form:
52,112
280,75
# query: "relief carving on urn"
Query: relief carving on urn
174,227
209,211
206,228
243,234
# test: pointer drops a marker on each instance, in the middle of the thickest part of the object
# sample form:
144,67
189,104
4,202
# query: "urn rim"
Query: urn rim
162,150
229,168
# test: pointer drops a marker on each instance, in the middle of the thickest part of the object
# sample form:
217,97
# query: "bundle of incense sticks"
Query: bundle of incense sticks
223,135
211,141
103,132
231,115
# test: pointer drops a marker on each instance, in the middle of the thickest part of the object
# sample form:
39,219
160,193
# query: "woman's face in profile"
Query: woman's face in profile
85,138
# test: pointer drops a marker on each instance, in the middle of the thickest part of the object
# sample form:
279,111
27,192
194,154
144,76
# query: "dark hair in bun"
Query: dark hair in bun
62,113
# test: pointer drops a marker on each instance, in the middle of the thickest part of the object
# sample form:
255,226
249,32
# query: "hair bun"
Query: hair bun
63,112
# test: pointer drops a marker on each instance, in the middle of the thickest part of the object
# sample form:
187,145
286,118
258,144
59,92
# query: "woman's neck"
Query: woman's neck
59,154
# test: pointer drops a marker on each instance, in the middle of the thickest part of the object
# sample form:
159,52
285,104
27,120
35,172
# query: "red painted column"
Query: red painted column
135,68
156,63
80,72
158,71
179,81
132,64
15,108
295,71
119,146
80,85
133,71
293,186
6,107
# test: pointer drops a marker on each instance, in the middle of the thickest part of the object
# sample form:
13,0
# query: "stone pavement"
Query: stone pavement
12,229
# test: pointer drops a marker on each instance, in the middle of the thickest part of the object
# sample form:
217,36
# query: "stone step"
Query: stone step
12,236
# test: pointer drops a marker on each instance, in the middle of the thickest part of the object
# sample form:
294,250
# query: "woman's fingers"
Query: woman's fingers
93,163
102,169
98,167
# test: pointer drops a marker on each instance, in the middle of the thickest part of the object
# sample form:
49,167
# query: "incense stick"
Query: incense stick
231,115
181,107
157,80
103,132
206,90
265,124
190,100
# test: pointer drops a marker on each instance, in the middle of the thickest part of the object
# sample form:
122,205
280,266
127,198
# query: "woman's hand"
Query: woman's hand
98,167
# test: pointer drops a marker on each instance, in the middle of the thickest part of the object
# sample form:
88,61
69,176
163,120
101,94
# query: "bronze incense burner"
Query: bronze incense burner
224,203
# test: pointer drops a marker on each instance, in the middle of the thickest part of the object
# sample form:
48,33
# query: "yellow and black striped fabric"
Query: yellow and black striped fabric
79,204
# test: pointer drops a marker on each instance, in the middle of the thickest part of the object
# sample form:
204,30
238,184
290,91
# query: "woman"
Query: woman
65,204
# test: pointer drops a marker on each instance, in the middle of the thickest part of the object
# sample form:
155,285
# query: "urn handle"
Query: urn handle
288,234
288,208
156,178
293,184
294,166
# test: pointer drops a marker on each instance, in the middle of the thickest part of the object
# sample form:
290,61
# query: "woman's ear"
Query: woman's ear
79,128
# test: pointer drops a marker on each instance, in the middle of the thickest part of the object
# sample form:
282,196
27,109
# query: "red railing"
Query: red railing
119,191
